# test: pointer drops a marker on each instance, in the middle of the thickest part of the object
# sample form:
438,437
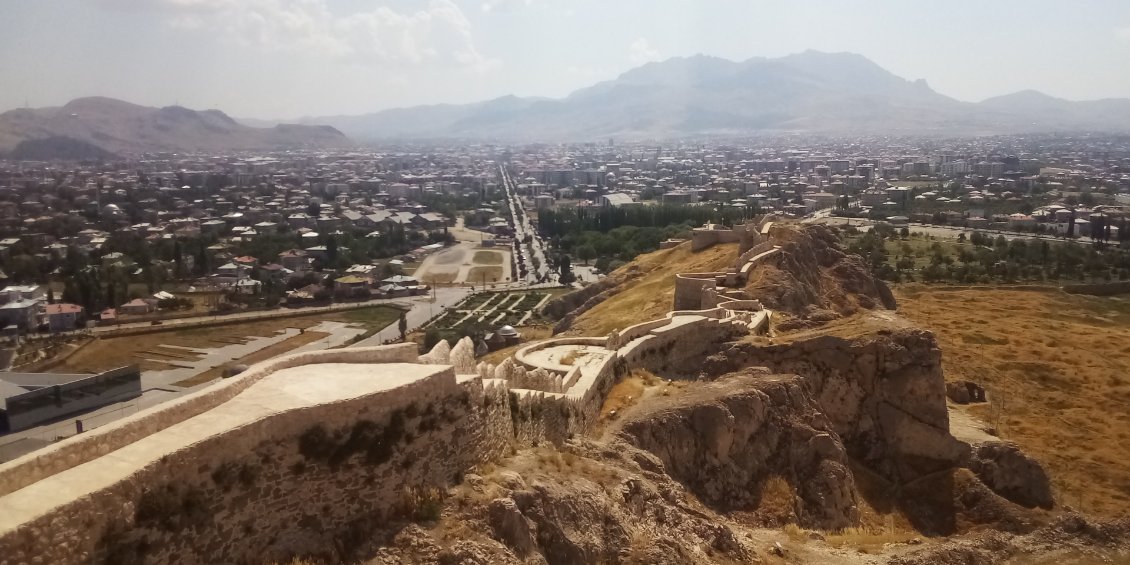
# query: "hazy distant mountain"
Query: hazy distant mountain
93,127
811,92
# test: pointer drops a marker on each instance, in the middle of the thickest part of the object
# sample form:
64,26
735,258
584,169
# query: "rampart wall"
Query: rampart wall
689,288
81,448
702,238
698,291
300,482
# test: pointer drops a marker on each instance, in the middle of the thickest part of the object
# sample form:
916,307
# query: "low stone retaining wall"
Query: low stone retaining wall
523,355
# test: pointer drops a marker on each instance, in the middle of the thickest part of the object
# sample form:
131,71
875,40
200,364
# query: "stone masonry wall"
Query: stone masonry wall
78,449
295,483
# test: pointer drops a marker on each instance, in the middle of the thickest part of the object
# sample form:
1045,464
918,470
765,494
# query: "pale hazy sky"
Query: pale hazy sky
290,58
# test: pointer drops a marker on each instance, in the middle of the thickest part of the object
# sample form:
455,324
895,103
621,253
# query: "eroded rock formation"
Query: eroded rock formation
883,393
738,433
816,280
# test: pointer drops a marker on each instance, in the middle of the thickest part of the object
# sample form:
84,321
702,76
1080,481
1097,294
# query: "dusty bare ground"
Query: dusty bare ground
252,358
109,353
1057,367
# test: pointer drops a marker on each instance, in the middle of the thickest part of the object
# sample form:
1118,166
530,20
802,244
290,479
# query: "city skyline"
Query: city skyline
290,58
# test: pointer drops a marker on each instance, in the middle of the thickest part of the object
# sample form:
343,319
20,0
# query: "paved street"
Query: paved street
522,229
423,309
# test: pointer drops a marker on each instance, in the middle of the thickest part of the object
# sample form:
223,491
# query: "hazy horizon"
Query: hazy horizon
286,59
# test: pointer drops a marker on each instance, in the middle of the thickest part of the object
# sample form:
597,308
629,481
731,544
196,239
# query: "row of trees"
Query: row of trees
987,259
558,223
621,244
613,236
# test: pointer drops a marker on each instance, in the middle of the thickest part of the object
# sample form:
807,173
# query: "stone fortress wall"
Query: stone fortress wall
296,453
698,291
81,448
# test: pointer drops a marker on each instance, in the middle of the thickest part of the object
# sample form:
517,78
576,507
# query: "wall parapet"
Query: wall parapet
79,449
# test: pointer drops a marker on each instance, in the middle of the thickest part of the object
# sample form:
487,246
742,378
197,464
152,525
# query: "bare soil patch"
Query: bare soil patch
261,355
484,274
440,276
488,258
110,353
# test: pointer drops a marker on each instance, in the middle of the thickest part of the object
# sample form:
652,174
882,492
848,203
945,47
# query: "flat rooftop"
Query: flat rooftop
285,390
15,384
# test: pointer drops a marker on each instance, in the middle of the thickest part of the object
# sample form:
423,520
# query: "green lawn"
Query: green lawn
375,318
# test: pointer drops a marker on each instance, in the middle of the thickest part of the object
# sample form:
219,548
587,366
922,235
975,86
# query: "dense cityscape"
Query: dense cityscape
117,240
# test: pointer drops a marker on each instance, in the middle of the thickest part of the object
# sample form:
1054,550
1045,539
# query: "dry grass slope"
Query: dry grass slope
1057,367
652,295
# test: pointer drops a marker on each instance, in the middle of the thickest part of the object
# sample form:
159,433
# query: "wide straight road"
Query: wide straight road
522,229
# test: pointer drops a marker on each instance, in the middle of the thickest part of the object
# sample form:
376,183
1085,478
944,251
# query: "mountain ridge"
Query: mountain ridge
98,126
810,91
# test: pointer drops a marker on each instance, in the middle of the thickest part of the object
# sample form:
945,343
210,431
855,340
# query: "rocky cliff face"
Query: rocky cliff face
882,393
728,440
682,481
588,503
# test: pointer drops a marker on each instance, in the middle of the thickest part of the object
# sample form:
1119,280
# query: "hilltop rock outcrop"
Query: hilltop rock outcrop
883,393
815,279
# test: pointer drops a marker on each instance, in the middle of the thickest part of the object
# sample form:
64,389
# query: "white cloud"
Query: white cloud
640,51
439,33
493,5
1123,33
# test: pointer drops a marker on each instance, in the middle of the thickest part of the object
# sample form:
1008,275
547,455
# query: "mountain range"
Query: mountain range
99,127
817,92
812,92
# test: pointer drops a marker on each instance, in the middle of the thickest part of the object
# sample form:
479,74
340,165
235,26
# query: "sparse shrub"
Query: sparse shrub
428,424
515,415
248,473
412,410
420,504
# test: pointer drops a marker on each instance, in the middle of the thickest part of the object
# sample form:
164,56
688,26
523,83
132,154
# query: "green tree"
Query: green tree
566,268
178,260
331,251
402,325
586,253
